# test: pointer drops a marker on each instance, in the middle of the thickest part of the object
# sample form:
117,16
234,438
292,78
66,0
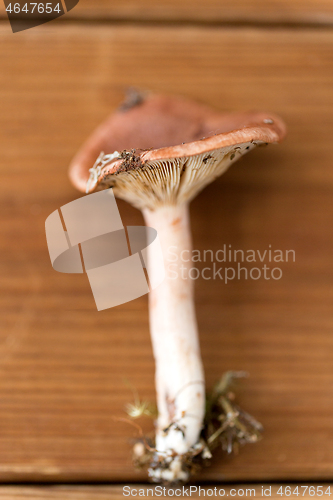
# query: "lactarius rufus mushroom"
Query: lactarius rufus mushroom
162,151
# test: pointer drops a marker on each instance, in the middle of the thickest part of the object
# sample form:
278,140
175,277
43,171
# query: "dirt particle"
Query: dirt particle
134,97
209,157
131,161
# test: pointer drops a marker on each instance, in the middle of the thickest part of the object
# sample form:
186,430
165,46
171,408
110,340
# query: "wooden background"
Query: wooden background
63,365
257,11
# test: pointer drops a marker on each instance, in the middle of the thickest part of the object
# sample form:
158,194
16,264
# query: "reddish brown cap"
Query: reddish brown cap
166,149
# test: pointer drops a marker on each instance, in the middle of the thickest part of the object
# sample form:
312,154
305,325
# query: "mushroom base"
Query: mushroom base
226,426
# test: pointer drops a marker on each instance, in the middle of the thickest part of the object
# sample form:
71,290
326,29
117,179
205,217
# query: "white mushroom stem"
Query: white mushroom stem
179,372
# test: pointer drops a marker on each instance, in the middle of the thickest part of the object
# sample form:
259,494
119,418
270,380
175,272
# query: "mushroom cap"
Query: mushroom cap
170,149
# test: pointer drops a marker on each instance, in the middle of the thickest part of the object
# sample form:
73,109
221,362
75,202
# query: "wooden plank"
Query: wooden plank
274,11
63,365
294,11
117,492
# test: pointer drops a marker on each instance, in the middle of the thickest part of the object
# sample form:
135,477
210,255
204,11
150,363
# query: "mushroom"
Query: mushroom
163,151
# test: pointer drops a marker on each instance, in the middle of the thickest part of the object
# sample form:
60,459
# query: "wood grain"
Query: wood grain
116,492
256,11
294,11
63,365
